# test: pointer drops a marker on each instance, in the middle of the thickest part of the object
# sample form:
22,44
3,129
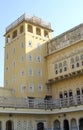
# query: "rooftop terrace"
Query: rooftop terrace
31,19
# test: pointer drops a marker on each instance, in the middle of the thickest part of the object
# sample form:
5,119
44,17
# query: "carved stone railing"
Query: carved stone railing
6,102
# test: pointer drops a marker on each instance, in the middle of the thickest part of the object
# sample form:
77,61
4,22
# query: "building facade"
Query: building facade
43,77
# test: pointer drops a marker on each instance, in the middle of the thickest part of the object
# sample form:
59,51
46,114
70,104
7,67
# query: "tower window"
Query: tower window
8,39
14,34
13,78
6,69
30,72
31,87
46,34
38,31
30,28
29,44
22,44
22,58
23,88
39,72
39,87
38,46
30,57
38,58
22,72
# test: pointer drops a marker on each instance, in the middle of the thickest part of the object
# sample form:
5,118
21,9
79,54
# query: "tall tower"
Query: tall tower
25,65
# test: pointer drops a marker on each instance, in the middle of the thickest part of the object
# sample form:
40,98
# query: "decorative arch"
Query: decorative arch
73,124
56,125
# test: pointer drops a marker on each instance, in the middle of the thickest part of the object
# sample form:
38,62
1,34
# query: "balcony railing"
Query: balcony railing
7,102
32,19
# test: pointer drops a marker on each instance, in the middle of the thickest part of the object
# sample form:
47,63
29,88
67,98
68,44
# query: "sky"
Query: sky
62,14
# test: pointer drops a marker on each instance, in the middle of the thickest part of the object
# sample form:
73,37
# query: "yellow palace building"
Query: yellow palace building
43,77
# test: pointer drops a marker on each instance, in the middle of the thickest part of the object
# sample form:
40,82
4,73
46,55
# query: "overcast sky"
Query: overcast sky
63,15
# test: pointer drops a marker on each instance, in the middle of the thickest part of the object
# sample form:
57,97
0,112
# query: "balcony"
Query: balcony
23,103
65,76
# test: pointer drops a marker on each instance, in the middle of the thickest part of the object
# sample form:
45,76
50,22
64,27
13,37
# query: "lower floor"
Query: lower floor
64,121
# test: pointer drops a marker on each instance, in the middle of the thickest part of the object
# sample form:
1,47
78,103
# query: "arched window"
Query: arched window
72,66
78,91
81,56
77,65
65,94
70,93
60,64
78,95
72,60
60,95
56,66
38,31
30,28
77,58
65,63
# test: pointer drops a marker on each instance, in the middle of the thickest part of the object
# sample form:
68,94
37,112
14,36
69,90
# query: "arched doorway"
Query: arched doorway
56,125
9,125
66,125
81,124
73,124
0,125
40,126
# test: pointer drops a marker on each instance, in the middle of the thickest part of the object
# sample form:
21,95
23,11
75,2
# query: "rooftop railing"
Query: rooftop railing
32,19
26,103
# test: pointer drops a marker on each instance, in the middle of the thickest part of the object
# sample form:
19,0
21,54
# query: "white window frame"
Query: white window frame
14,64
22,58
30,58
38,58
23,88
22,73
40,87
38,46
14,78
22,45
39,72
31,87
30,71
29,43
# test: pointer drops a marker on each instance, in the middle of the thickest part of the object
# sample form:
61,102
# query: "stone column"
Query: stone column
77,124
3,125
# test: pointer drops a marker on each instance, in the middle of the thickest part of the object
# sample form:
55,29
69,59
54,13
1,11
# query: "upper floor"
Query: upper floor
28,24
